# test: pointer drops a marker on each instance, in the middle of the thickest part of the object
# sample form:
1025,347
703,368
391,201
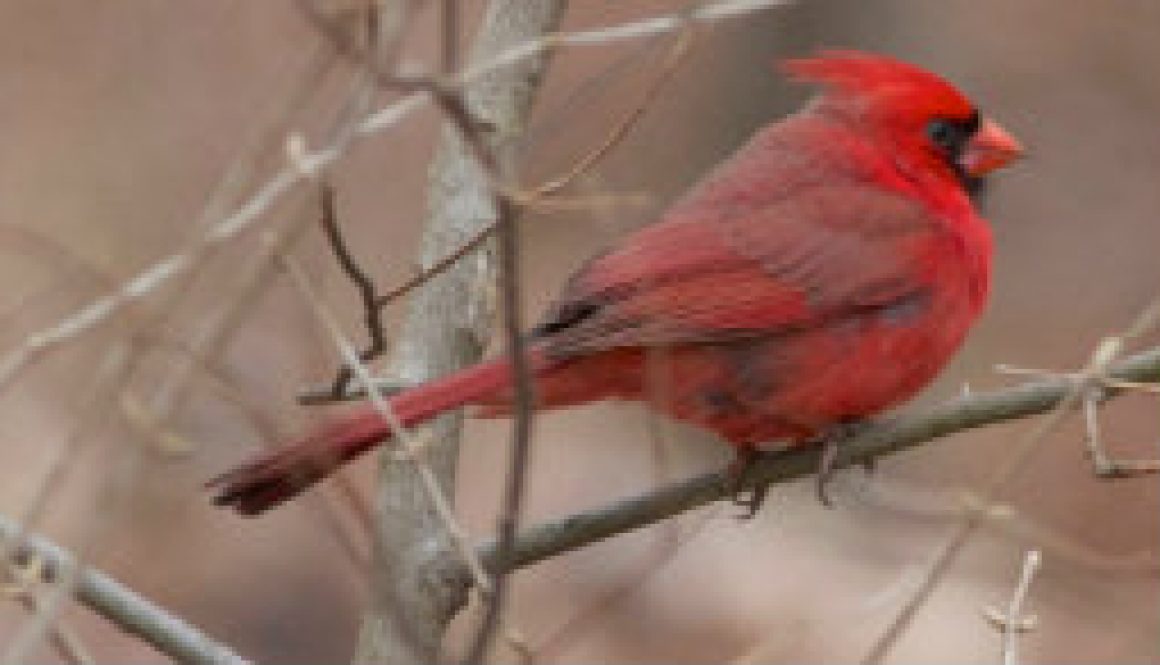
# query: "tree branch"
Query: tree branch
890,436
130,612
447,325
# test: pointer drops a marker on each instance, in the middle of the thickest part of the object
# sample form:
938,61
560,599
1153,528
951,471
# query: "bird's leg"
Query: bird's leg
831,442
753,498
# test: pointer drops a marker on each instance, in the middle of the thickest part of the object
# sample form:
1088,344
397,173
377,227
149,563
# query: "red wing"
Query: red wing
818,256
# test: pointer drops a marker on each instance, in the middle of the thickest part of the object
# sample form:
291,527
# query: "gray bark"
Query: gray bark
448,322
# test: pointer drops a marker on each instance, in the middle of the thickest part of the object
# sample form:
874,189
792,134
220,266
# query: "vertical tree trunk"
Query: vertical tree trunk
447,326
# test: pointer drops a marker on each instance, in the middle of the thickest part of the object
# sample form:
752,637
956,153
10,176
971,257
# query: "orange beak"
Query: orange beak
991,148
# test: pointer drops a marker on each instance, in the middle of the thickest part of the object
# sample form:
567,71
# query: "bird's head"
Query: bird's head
927,121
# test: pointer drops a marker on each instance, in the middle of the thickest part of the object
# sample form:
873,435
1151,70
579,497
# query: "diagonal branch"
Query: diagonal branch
130,612
894,435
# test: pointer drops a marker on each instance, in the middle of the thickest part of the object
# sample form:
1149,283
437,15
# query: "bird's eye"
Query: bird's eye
951,135
946,134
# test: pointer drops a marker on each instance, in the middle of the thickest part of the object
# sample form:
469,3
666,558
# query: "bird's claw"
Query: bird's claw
831,445
752,496
826,470
749,498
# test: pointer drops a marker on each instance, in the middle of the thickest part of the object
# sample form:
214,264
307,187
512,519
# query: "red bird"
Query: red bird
826,271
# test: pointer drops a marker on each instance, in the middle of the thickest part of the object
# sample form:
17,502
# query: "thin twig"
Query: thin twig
449,53
96,411
663,555
1014,615
474,243
951,504
521,427
385,386
366,288
220,382
669,67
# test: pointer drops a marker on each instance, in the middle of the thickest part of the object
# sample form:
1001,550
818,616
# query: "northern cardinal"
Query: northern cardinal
824,272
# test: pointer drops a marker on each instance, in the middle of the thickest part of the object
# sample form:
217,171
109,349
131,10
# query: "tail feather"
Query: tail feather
282,474
286,472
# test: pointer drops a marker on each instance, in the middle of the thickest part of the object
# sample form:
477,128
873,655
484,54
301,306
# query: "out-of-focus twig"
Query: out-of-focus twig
664,553
1012,622
535,197
228,226
449,40
129,611
669,67
20,583
946,504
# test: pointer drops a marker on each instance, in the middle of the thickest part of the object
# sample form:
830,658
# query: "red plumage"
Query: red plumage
826,271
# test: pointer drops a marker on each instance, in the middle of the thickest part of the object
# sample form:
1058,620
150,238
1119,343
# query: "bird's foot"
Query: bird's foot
750,498
831,443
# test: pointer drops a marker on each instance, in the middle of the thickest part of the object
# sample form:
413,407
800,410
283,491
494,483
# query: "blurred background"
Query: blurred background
118,120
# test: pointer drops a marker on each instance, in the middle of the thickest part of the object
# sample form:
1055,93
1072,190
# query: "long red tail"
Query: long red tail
284,473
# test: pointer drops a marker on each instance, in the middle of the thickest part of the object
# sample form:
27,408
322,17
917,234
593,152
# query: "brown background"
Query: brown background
117,120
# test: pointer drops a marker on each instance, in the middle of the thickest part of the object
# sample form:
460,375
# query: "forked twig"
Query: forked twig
1012,621
372,313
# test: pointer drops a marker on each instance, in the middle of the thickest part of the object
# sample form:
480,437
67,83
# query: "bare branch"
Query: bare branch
372,313
522,411
129,611
890,436
449,42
